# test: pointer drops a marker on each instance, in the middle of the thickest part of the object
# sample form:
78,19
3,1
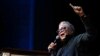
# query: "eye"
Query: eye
62,29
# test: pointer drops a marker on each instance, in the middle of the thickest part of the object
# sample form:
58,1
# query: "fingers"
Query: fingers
71,5
75,7
52,45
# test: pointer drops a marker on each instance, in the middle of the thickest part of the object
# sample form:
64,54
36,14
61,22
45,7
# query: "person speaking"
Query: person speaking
69,44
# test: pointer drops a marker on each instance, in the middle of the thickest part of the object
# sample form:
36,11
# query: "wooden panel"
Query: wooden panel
16,52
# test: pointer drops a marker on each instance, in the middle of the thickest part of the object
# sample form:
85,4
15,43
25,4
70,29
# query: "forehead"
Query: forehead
63,24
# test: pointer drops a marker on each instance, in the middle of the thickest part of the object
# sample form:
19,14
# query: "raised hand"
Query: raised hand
77,9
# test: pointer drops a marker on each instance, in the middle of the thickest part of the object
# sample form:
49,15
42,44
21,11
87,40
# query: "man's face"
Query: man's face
62,31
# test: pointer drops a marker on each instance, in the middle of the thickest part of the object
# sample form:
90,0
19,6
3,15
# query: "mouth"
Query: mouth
62,34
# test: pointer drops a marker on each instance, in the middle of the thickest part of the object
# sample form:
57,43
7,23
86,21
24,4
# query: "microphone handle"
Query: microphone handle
55,41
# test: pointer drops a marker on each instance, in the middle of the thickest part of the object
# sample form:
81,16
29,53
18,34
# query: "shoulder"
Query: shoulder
79,37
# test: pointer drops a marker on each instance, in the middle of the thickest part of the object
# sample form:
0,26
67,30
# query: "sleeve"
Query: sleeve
91,31
53,53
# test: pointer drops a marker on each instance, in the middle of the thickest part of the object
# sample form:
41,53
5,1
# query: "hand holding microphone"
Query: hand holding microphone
53,45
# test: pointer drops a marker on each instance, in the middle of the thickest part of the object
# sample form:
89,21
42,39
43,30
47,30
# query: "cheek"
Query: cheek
62,33
66,32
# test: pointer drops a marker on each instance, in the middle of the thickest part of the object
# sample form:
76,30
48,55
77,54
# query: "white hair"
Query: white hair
67,25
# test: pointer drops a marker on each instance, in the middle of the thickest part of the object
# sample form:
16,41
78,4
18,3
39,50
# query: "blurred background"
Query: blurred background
32,24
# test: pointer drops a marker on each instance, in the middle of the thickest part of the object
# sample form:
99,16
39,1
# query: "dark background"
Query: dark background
32,24
51,12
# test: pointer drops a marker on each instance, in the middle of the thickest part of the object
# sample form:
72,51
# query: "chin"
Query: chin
63,38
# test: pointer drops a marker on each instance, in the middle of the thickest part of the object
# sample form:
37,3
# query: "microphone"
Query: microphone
57,37
55,42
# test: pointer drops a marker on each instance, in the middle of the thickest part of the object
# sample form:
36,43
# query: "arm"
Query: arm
90,29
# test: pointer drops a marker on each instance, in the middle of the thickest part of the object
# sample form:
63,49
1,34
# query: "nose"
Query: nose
62,30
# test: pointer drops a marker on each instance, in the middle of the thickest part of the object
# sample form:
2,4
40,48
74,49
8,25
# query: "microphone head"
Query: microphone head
57,37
